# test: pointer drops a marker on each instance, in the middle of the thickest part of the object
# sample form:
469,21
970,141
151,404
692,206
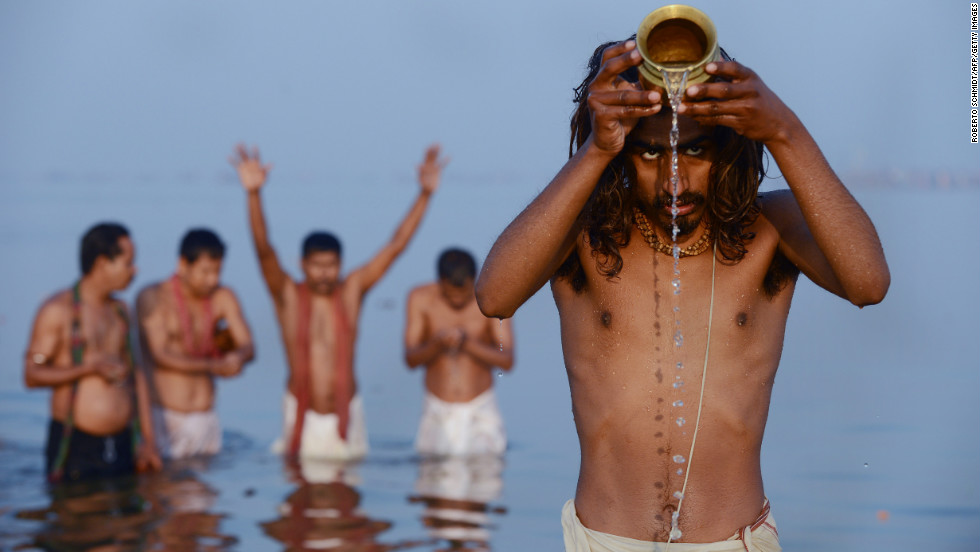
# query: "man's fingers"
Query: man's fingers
626,96
713,108
731,70
616,59
720,90
626,111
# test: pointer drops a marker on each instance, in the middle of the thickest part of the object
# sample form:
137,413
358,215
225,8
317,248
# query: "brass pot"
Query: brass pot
676,38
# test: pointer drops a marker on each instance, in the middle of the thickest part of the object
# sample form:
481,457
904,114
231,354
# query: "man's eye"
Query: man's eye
650,155
694,151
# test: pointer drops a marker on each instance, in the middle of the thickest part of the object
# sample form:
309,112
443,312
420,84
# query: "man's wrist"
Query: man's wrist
590,150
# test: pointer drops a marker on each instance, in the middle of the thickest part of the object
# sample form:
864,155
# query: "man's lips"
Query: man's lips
682,208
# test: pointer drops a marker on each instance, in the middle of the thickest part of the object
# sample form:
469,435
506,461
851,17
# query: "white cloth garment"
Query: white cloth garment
761,536
461,429
321,433
186,434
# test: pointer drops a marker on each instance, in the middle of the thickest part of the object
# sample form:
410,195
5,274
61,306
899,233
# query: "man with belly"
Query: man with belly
459,347
322,410
670,430
192,329
80,347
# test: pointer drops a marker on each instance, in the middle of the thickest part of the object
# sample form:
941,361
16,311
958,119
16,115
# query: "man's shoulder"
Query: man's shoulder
425,289
58,304
778,211
775,201
225,294
151,298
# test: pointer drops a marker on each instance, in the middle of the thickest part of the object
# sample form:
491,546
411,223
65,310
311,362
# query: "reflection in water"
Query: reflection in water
323,512
164,511
456,493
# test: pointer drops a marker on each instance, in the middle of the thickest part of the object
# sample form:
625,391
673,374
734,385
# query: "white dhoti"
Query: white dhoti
761,536
321,432
185,434
461,429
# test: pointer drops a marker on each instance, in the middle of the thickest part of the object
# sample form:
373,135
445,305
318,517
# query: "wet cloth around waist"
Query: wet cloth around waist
760,536
90,456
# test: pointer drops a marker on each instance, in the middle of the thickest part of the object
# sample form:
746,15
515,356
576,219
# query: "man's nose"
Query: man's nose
667,176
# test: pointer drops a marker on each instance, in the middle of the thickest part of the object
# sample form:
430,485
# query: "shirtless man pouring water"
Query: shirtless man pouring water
80,347
601,233
318,317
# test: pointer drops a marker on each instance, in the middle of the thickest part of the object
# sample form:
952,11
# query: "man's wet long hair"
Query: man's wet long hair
607,217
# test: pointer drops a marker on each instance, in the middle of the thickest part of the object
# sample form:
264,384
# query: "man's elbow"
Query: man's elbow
491,304
30,381
872,291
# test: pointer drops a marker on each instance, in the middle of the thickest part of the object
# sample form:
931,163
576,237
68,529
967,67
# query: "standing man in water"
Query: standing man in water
192,330
601,232
80,347
459,347
323,414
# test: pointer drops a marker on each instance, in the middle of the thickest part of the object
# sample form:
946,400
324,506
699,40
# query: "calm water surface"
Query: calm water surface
873,440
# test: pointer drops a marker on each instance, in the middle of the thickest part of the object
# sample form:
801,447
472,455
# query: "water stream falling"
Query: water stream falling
676,83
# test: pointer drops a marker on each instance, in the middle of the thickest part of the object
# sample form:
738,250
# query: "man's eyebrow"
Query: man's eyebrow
640,144
697,140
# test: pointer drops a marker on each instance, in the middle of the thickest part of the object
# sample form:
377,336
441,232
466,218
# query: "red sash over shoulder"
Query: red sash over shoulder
203,348
343,364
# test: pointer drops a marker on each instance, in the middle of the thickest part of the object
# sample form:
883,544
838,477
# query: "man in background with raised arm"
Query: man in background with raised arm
323,413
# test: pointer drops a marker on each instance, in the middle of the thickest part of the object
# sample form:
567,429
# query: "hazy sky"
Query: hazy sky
116,89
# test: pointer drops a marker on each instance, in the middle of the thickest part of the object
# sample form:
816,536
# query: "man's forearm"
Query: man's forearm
841,228
406,229
256,218
183,363
534,245
491,355
46,375
424,353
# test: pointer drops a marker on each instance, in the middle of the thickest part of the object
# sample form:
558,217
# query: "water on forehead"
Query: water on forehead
656,129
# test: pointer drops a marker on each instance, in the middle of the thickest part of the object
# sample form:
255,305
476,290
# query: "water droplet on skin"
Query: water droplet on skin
681,403
678,384
678,459
681,422
678,339
680,366
677,309
678,495
675,532
680,471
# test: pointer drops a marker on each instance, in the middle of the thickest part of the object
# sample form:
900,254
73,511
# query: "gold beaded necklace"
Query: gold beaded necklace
643,224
